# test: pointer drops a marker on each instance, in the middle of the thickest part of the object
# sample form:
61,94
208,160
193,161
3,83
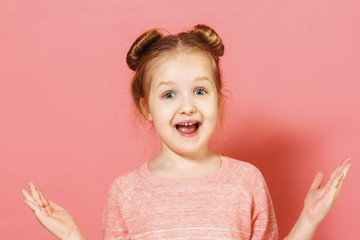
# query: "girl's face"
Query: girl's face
183,91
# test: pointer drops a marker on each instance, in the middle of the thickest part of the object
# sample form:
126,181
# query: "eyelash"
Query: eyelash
201,89
164,95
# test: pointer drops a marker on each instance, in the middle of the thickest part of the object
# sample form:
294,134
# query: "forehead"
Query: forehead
183,67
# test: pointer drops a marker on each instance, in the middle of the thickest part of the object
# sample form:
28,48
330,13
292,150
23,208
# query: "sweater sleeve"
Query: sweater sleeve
263,220
113,225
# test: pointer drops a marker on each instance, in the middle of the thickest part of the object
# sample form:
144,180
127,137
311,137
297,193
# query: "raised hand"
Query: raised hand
50,215
318,202
320,199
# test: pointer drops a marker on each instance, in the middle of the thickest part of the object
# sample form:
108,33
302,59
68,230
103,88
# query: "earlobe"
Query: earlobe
144,109
149,117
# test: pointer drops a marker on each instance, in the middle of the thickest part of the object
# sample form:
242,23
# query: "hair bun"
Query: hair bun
209,36
140,46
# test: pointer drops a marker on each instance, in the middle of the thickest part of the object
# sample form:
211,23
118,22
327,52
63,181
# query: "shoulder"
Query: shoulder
127,181
242,168
245,173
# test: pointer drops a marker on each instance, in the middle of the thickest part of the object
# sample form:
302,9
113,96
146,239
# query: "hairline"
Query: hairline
152,66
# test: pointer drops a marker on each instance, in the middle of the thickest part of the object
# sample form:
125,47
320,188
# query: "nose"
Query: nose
187,107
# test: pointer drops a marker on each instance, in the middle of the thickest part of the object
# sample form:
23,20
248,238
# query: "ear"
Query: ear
145,109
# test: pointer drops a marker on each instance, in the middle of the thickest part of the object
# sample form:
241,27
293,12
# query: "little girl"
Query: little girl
186,191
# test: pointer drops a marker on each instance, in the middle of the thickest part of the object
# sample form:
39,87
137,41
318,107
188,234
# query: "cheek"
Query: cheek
212,108
160,113
210,113
214,115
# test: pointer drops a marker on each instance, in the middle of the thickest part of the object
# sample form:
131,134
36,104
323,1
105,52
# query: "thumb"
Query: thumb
317,181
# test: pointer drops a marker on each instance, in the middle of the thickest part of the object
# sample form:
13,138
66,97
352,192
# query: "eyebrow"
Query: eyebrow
201,78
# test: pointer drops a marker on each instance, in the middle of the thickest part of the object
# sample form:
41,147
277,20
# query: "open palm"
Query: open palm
320,199
53,217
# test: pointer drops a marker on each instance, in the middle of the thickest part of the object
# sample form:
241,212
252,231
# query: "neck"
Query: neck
171,158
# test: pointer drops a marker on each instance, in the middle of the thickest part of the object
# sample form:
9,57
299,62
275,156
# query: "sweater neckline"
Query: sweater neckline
219,171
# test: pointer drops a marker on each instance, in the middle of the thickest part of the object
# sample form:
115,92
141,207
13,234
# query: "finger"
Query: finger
337,170
343,177
347,159
42,196
34,207
346,168
334,187
27,195
35,194
338,180
55,206
44,200
338,188
333,174
317,181
344,164
36,210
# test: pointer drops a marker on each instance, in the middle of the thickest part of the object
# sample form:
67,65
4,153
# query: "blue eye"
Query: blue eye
169,95
200,91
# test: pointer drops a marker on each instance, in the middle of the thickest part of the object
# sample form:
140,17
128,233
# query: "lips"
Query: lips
188,128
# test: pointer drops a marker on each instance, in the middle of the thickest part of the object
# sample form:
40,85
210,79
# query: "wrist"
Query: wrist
305,222
304,229
76,234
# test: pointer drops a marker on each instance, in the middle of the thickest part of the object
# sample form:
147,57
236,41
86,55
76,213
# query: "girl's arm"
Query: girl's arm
318,202
51,216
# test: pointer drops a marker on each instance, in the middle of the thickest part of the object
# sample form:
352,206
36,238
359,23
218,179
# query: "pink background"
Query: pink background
292,67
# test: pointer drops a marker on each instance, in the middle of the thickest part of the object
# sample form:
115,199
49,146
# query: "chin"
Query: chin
190,150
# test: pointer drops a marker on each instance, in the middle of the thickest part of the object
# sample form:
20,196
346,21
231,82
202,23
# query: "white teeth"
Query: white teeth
186,124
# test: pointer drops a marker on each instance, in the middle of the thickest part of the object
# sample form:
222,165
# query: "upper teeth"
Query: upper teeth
186,124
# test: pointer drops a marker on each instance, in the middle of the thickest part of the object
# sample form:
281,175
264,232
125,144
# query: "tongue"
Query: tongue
186,129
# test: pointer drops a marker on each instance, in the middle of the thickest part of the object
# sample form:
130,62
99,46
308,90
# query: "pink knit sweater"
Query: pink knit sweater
232,202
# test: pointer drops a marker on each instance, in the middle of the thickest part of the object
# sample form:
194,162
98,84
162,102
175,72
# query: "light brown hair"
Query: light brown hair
152,47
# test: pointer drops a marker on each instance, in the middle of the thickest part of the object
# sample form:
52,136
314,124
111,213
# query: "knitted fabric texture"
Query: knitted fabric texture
232,202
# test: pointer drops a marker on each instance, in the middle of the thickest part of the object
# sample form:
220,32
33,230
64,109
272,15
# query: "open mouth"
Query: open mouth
188,129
